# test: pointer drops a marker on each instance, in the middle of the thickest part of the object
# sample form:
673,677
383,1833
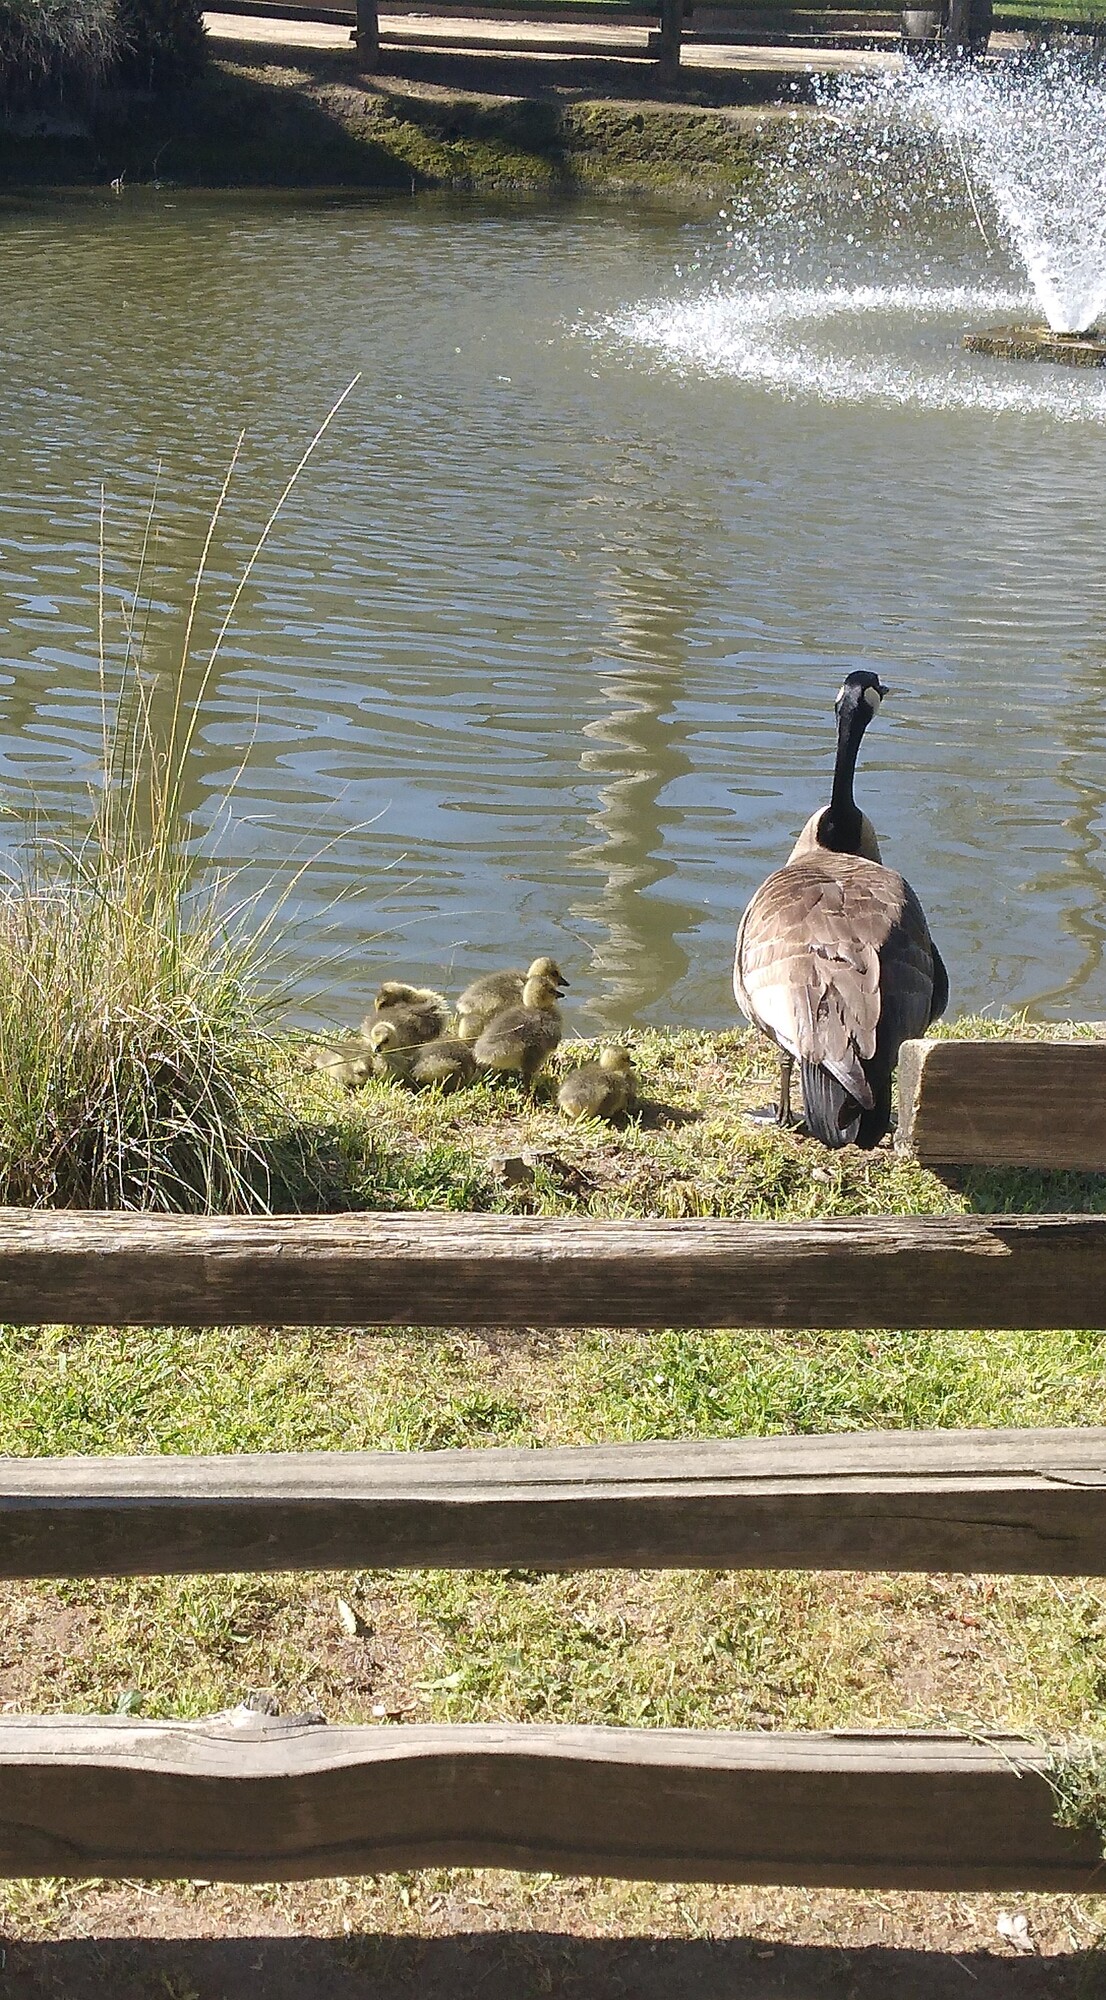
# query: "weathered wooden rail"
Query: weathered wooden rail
363,18
1019,1502
1010,1104
245,1796
492,1270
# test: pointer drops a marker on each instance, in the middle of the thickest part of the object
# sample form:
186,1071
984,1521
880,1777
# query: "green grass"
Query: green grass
692,1150
697,1649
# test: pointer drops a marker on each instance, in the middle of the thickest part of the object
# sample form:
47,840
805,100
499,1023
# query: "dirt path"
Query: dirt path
443,32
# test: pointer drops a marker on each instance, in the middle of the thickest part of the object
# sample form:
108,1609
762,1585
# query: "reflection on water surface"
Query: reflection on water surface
543,651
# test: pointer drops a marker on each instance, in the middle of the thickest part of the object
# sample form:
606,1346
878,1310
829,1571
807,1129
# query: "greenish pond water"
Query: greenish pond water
542,652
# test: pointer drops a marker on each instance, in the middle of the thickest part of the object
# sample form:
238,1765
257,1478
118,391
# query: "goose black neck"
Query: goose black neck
841,825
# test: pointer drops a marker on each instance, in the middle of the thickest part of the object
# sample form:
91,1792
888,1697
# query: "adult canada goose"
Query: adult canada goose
486,997
834,958
603,1089
520,1039
416,1012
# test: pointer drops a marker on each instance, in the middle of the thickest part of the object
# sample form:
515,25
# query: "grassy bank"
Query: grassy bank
691,1151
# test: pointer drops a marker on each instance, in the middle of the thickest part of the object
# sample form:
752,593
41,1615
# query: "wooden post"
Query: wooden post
668,44
1005,1104
957,35
368,34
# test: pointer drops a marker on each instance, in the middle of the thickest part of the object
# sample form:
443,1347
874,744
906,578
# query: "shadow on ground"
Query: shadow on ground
615,77
522,1966
1027,1191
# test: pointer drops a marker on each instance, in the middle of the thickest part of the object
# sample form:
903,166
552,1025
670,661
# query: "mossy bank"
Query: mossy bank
313,124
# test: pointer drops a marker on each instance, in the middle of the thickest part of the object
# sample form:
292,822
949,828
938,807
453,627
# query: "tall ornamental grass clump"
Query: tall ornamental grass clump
60,51
135,1065
132,1064
57,49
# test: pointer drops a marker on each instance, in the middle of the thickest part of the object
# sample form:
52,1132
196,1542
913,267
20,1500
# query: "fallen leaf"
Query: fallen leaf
352,1625
1015,1929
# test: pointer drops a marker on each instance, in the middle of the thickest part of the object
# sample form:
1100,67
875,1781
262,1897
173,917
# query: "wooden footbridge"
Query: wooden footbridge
249,1796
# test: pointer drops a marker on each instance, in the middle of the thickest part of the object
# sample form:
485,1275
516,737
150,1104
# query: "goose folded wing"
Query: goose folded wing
809,963
914,985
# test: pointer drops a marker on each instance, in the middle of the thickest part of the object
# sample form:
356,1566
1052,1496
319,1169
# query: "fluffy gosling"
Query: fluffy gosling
496,991
348,1066
418,1013
603,1089
520,1039
445,1062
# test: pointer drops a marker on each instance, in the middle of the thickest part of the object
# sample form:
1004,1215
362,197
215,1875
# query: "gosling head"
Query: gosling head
392,993
385,1035
540,990
547,968
615,1057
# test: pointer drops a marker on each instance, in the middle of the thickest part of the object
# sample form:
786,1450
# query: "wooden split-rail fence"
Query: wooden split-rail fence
662,44
247,1796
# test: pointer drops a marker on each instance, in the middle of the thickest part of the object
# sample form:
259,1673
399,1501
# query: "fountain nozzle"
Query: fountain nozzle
1040,343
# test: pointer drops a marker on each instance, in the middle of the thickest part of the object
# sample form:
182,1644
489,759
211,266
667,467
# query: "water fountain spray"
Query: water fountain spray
1030,137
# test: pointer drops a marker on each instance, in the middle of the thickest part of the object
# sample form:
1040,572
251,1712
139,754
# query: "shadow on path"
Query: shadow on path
521,1966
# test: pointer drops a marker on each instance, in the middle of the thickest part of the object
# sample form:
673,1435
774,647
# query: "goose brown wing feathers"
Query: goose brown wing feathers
833,958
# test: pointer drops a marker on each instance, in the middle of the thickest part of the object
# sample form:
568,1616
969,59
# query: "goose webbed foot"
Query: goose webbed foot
780,1114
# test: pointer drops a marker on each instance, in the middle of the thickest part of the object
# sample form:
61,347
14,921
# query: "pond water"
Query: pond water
542,651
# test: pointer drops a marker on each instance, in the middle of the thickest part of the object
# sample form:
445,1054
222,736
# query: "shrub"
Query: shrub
54,50
162,41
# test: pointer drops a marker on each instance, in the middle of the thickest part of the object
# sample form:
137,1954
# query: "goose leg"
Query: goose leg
784,1114
779,1114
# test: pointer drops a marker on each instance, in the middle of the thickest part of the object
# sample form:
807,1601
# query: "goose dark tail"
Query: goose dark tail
833,1115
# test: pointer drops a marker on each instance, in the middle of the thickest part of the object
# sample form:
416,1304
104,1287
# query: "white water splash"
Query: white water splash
1031,136
851,344
918,206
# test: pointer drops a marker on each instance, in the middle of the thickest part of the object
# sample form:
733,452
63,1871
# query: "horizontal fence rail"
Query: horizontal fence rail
244,1797
1019,1502
1010,1104
250,1797
439,1270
